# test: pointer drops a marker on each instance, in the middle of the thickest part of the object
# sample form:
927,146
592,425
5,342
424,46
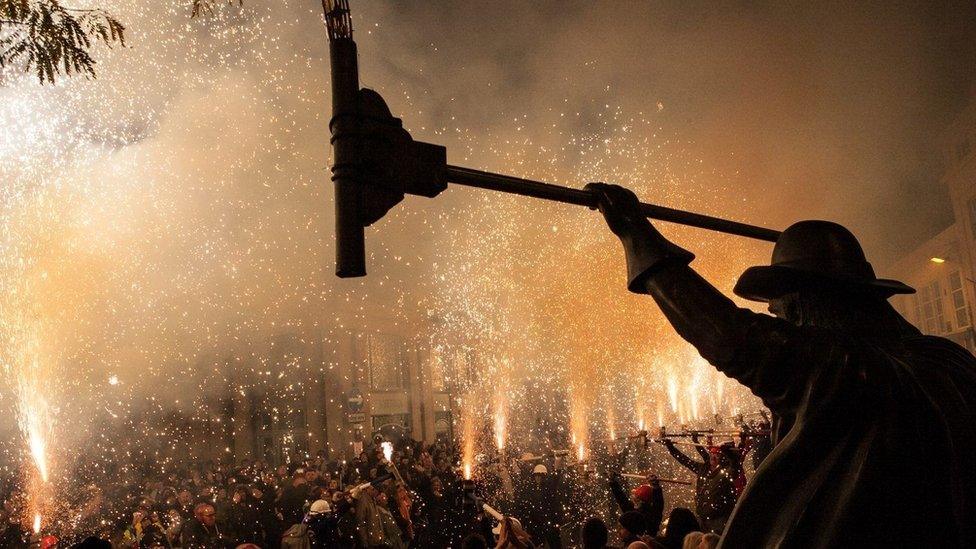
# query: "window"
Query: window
917,316
464,367
933,319
385,359
443,430
958,300
438,370
394,421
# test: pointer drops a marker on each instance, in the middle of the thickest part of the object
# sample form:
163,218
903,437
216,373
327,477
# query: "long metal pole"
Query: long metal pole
579,197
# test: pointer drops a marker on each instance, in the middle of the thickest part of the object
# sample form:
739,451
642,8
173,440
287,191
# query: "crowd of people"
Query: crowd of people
396,495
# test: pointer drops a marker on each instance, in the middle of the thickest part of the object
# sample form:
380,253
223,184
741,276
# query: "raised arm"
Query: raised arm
702,451
617,489
750,347
696,467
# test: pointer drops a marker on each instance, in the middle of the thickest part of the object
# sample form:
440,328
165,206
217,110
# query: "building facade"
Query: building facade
942,268
301,393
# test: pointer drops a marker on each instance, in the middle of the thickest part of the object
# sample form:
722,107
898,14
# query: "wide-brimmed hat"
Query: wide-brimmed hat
815,254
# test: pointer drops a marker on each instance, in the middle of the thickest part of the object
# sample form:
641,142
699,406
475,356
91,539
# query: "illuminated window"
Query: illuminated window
958,300
933,319
917,310
385,359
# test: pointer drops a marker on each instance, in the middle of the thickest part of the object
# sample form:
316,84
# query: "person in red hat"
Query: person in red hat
645,499
715,478
876,423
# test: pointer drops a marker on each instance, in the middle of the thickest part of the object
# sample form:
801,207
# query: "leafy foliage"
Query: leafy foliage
206,7
45,37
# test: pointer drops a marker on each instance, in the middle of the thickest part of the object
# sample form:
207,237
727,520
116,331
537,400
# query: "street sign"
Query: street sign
354,401
356,418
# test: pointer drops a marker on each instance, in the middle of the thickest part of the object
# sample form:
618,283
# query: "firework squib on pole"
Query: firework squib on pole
376,162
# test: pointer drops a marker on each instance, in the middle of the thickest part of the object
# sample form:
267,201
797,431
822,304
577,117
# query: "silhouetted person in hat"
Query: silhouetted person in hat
877,437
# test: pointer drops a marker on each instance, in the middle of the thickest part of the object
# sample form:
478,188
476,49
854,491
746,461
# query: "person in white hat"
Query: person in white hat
323,524
540,505
320,507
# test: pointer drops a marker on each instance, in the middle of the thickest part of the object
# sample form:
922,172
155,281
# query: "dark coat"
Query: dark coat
715,493
325,530
196,535
652,511
882,446
878,422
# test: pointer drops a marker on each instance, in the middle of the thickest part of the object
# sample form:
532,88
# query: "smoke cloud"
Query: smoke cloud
178,209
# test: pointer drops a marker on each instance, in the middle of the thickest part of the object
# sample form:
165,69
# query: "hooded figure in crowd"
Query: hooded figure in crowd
875,423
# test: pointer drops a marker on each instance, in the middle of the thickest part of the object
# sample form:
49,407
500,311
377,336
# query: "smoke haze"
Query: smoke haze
179,206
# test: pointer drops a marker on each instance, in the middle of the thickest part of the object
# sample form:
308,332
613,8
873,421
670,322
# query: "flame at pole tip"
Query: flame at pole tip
387,450
37,523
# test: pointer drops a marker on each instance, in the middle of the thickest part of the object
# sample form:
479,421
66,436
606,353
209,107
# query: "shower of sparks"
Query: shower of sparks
467,441
169,225
611,423
673,393
499,428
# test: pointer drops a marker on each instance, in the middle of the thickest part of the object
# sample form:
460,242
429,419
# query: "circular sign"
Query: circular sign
354,400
